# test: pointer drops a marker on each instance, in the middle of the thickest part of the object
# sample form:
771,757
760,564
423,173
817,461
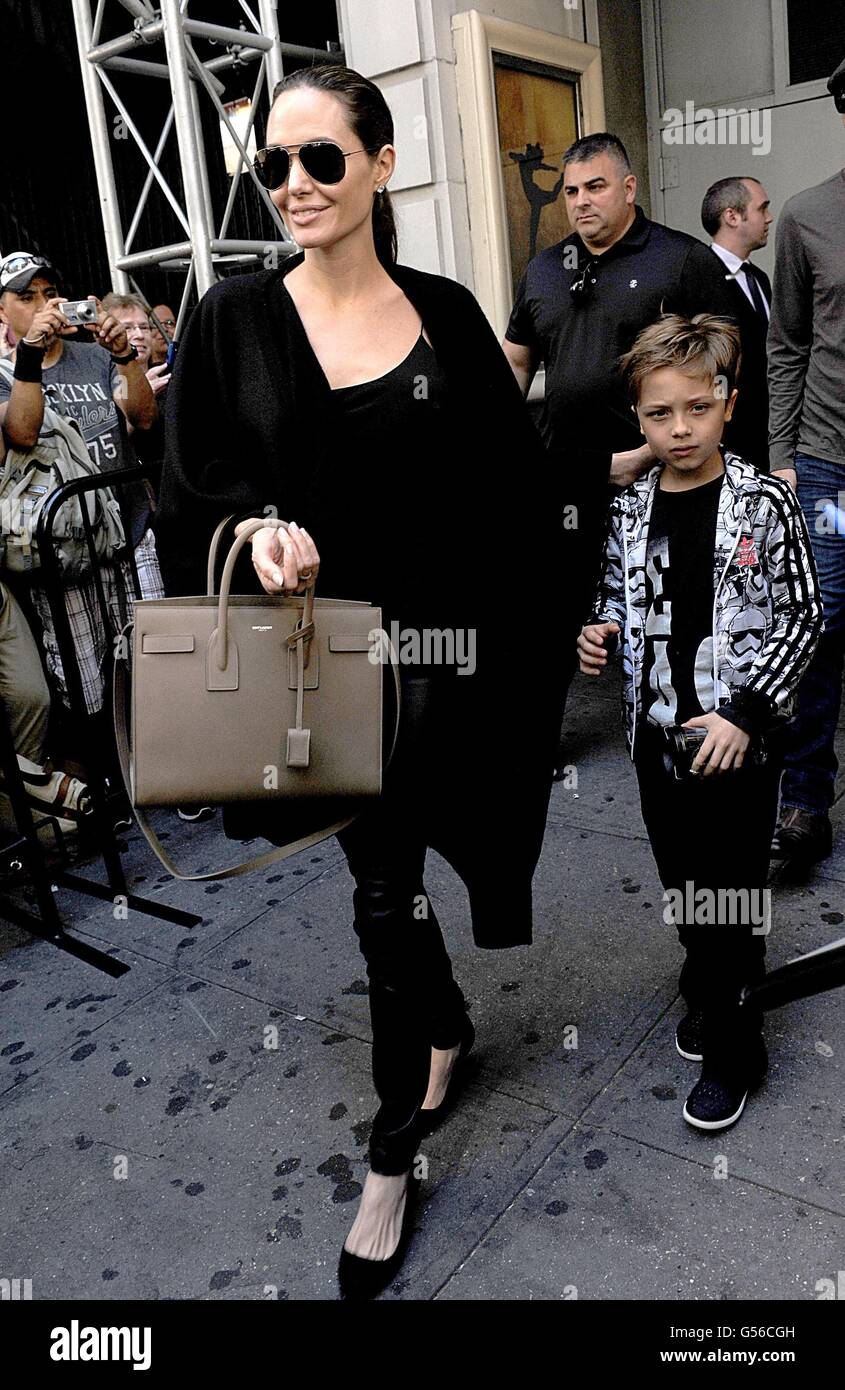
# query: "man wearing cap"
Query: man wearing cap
99,384
79,377
807,447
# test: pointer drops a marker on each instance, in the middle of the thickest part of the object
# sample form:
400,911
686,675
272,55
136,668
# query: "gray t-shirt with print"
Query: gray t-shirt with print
81,385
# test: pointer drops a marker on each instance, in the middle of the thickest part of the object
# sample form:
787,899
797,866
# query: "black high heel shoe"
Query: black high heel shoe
362,1279
430,1119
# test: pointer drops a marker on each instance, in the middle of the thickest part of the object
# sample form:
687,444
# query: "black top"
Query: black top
677,679
375,541
580,339
252,422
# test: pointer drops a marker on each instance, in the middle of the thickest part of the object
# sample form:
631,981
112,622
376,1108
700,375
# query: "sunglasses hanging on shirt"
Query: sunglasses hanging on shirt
582,288
322,160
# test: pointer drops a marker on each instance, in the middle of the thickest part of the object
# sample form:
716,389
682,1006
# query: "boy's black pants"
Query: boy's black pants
713,833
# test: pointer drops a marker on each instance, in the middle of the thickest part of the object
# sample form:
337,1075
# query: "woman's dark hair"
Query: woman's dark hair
370,118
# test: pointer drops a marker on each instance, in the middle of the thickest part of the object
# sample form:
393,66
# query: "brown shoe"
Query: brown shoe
802,835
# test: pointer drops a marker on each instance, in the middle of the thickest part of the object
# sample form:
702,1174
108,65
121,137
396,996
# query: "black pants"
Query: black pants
713,833
415,1003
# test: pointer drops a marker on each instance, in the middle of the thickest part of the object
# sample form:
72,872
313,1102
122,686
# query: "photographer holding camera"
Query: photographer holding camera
88,380
76,358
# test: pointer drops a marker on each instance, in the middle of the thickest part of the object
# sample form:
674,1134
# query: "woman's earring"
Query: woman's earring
380,188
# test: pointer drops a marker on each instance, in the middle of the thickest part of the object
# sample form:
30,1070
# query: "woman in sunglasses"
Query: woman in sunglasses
373,403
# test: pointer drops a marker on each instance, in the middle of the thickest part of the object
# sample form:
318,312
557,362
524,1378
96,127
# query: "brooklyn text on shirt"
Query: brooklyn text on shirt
76,392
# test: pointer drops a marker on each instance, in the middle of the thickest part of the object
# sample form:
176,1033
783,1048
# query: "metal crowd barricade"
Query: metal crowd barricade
26,850
102,770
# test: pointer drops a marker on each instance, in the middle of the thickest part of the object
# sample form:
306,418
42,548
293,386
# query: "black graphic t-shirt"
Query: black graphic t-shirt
678,664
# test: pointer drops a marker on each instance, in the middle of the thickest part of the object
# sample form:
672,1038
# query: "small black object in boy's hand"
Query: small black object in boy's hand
683,745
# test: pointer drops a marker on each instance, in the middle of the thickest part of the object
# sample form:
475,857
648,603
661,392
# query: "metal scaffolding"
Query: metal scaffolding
204,246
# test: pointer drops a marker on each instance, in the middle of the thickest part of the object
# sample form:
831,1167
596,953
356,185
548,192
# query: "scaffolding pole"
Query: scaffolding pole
186,134
268,16
168,25
100,148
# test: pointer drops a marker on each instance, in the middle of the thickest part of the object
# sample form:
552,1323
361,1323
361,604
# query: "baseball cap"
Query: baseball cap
19,268
836,87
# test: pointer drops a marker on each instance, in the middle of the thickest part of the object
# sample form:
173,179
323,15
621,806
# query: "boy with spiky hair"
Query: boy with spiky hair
709,577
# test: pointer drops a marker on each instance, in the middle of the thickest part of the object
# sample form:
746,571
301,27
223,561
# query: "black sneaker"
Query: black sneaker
803,837
688,1036
718,1098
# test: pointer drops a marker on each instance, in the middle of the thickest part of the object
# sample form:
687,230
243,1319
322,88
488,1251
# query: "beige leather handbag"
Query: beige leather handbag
250,698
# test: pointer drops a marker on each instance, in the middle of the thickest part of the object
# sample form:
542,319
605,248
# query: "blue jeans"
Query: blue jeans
811,764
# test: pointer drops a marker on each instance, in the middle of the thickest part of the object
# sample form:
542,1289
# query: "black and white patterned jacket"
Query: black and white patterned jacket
767,613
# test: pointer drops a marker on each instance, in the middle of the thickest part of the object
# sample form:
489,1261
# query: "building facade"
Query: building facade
485,100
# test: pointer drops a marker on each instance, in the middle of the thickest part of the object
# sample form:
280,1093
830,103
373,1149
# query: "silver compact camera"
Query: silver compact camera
78,311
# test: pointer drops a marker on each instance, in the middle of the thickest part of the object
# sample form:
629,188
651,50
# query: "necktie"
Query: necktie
756,293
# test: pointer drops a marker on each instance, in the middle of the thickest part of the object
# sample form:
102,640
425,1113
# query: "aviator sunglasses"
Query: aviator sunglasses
322,160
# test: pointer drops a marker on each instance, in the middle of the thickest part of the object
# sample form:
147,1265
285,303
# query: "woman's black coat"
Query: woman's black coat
250,421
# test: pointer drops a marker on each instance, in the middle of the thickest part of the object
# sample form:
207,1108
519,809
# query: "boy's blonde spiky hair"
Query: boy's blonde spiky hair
703,346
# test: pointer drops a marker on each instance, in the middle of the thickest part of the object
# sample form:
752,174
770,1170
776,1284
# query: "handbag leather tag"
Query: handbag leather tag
215,679
299,747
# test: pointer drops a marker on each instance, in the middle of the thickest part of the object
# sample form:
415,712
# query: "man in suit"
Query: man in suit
737,215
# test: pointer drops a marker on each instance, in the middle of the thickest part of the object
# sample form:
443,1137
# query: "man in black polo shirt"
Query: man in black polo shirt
580,305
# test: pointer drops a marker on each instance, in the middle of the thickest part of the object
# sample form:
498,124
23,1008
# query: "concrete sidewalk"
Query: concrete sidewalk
154,1145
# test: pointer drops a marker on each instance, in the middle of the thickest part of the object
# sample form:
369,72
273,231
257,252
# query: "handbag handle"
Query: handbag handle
221,637
215,542
212,553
